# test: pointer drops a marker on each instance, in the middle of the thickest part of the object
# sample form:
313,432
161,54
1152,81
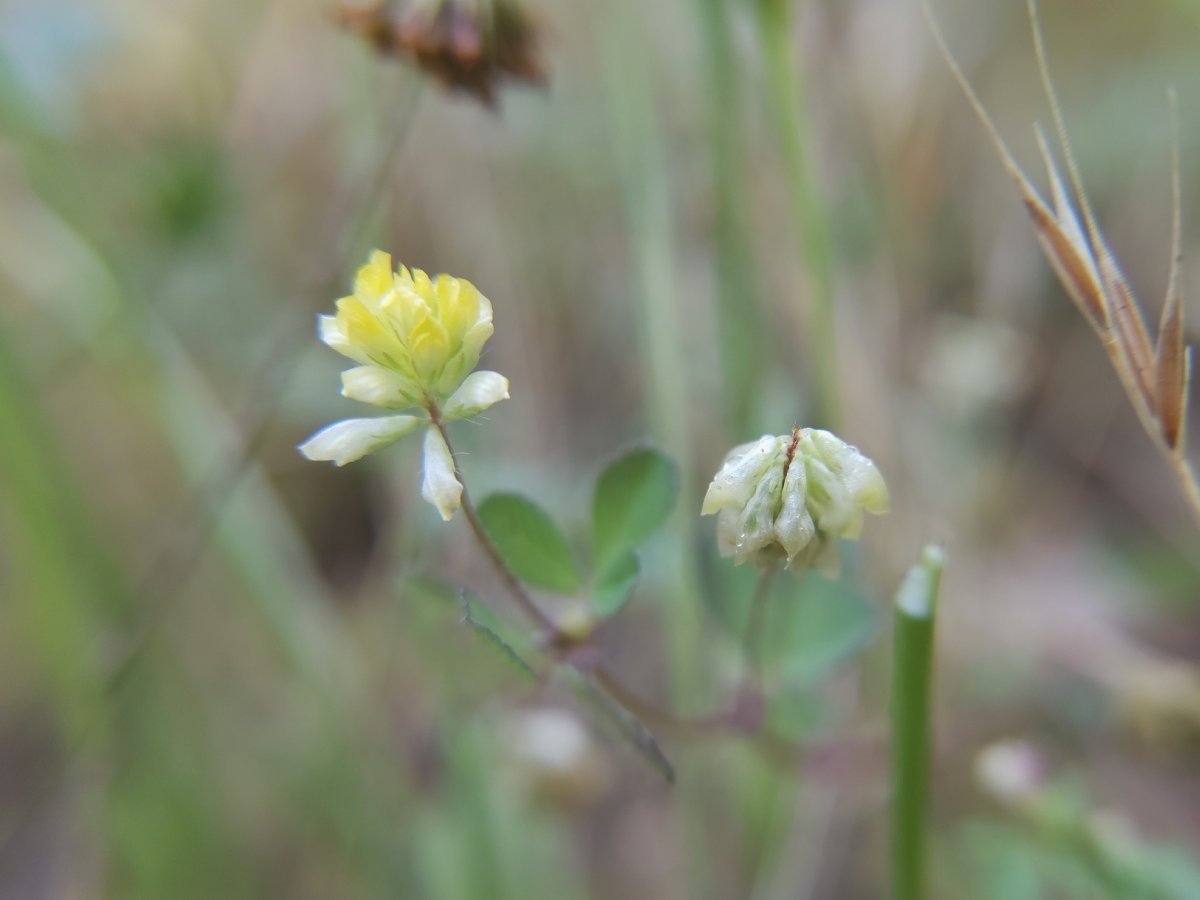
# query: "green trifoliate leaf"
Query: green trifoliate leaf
633,498
530,543
615,585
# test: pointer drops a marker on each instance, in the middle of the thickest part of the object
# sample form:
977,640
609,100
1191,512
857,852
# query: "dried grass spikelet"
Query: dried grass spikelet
466,45
1155,374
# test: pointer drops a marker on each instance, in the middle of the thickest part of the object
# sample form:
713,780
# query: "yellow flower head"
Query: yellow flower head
417,341
416,338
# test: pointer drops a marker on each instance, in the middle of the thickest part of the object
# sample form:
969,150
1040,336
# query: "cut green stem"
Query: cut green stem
916,604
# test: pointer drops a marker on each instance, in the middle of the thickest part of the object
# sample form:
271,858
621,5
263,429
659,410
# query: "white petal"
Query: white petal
440,486
866,485
344,442
856,472
832,507
735,483
331,332
729,529
380,386
794,527
477,393
756,523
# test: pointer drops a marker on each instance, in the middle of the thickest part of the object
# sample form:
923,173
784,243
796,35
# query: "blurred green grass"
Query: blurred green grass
213,681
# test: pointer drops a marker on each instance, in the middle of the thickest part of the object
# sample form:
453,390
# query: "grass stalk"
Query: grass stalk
787,108
646,188
739,296
916,602
63,586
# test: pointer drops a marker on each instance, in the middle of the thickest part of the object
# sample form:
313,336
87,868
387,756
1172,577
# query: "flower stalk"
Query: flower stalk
514,587
755,624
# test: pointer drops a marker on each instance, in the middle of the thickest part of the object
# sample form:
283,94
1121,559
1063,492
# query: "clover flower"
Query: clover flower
417,341
790,498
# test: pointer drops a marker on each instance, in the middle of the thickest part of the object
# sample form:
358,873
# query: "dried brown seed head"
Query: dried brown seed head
466,45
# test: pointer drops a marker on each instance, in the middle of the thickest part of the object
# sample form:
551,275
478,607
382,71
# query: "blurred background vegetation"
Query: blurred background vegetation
228,672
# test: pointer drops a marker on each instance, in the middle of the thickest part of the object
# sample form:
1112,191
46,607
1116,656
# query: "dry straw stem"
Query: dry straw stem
1155,374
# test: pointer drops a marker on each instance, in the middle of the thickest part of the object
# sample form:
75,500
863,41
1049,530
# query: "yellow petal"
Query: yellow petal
368,334
458,306
429,348
423,287
374,280
404,308
331,333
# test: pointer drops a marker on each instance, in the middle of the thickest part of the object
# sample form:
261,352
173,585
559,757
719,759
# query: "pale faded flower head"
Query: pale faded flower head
791,498
554,758
1010,770
417,341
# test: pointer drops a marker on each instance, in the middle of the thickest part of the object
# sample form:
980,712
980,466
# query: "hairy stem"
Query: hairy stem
514,587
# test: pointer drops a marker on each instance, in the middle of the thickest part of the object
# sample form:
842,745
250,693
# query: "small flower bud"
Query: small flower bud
790,498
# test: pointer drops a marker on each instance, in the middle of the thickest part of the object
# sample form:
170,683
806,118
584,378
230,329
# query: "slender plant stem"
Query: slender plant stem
722,722
663,719
1187,479
600,673
786,97
514,587
727,721
752,642
916,603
